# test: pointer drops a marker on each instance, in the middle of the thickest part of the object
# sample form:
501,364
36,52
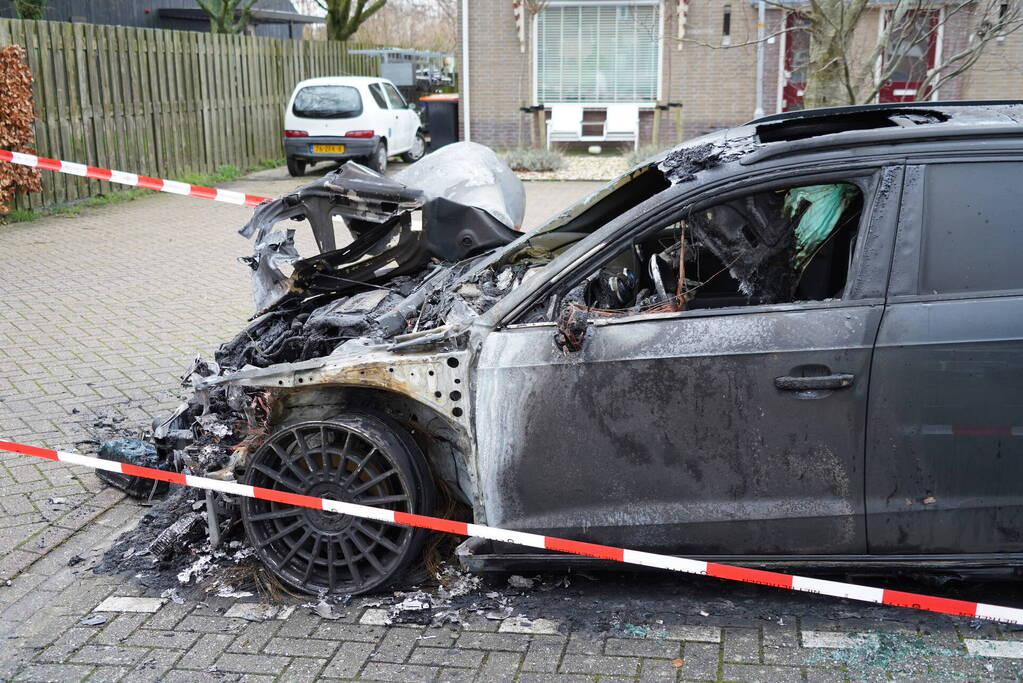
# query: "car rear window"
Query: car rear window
327,102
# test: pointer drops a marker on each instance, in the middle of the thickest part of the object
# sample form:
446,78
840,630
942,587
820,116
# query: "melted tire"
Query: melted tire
359,458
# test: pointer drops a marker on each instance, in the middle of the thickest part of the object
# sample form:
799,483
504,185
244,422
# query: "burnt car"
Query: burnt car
798,341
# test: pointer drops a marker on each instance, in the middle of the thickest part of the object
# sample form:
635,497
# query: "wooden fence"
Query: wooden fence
161,103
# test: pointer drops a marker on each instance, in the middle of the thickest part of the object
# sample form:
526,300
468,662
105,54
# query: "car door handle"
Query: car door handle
836,381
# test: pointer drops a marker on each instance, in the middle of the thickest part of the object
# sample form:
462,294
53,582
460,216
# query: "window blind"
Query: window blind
604,53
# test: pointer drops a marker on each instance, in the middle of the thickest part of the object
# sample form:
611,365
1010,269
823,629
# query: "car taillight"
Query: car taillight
359,134
296,134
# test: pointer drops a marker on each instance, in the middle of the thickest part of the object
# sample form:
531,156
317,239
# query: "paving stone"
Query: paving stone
599,664
395,645
456,676
168,617
831,640
435,656
119,628
300,624
443,636
300,647
177,640
253,637
741,645
332,630
130,604
544,653
499,667
66,645
814,675
752,673
412,673
206,651
256,611
47,673
203,624
257,664
109,654
108,674
642,648
493,641
585,643
554,678
304,669
1010,649
154,666
530,626
349,659
703,634
701,661
657,670
786,655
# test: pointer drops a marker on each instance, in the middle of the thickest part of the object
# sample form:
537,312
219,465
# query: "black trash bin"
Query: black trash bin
442,119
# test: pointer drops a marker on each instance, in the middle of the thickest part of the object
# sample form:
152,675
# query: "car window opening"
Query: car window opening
778,246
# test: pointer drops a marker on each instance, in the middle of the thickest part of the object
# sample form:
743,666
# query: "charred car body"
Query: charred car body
796,341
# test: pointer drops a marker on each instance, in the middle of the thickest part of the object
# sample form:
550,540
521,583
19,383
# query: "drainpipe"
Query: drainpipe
761,21
465,71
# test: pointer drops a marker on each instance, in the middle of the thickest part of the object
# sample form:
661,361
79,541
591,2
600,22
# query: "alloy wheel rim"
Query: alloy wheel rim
315,550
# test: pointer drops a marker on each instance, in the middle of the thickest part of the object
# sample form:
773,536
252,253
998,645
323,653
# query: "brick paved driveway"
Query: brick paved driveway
100,313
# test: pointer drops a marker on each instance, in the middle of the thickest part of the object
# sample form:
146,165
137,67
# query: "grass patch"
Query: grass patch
224,173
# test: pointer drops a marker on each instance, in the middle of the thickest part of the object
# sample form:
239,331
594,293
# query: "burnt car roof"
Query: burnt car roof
953,108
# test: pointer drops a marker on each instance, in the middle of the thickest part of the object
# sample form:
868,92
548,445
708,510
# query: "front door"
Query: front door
797,57
945,439
732,430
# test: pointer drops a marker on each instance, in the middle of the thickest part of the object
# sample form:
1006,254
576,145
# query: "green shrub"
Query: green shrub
533,159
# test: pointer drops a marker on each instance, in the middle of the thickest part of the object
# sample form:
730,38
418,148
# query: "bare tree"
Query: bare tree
227,16
344,17
839,74
423,24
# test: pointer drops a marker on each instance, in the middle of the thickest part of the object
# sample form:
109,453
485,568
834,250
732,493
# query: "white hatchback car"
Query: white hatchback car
349,117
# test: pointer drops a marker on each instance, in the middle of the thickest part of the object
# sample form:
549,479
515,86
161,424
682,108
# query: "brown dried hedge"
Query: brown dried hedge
16,116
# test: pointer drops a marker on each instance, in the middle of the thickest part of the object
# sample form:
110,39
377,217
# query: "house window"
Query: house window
598,52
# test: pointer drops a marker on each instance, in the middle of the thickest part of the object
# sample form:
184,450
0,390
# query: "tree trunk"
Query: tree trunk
827,76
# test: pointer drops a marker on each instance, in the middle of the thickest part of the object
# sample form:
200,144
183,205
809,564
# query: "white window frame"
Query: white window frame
596,104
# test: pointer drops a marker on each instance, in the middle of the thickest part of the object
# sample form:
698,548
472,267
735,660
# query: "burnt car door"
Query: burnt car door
732,429
945,435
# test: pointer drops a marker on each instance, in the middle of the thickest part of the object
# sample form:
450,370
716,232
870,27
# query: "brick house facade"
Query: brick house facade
712,71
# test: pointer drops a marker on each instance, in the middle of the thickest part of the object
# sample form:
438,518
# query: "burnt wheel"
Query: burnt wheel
354,458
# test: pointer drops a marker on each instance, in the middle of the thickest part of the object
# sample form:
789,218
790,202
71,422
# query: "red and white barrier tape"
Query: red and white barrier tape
963,608
160,184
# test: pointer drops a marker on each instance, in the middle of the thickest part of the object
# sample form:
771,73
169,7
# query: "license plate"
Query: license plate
329,149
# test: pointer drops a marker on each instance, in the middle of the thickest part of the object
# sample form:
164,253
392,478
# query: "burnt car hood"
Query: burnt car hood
471,202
